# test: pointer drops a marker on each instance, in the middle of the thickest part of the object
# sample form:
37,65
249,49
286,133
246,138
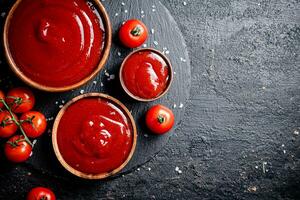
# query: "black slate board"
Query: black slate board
164,36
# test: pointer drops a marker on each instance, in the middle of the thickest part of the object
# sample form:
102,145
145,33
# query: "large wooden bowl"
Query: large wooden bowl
56,148
27,80
170,73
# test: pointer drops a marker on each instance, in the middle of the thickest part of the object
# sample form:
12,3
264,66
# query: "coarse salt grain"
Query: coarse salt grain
112,77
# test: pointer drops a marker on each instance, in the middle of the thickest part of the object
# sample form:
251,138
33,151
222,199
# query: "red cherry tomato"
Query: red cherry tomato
159,119
2,96
41,193
133,33
7,125
20,100
17,149
33,123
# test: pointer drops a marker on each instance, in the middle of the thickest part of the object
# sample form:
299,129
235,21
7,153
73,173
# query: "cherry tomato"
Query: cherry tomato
133,33
20,100
41,193
33,123
2,96
7,126
17,149
159,119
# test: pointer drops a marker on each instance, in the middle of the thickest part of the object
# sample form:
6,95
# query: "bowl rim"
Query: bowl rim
167,60
104,57
59,155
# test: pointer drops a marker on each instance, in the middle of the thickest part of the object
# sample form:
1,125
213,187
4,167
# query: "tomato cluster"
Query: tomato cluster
31,124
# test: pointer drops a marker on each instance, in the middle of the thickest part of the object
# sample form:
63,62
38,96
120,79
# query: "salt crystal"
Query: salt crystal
112,77
152,31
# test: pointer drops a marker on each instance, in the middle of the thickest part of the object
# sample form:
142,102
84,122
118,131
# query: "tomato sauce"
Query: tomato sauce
94,136
56,43
146,74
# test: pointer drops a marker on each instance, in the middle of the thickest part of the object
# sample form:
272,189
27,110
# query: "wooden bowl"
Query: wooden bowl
55,144
30,82
170,71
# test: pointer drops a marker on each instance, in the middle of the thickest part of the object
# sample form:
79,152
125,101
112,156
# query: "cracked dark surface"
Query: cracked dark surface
239,138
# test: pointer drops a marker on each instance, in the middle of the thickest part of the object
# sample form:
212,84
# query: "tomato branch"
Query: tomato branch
16,121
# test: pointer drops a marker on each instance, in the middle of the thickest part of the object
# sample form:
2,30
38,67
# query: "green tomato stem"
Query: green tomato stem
16,121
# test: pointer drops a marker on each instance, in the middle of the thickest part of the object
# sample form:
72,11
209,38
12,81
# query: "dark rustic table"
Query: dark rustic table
239,138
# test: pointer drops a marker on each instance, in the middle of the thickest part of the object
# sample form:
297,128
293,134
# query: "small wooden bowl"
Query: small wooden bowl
30,82
170,71
55,144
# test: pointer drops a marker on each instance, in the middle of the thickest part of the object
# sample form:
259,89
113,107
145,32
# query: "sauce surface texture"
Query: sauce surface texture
146,74
94,136
56,43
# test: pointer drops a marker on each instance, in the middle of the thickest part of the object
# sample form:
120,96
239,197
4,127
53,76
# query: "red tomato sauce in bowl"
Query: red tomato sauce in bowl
56,43
95,135
146,74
